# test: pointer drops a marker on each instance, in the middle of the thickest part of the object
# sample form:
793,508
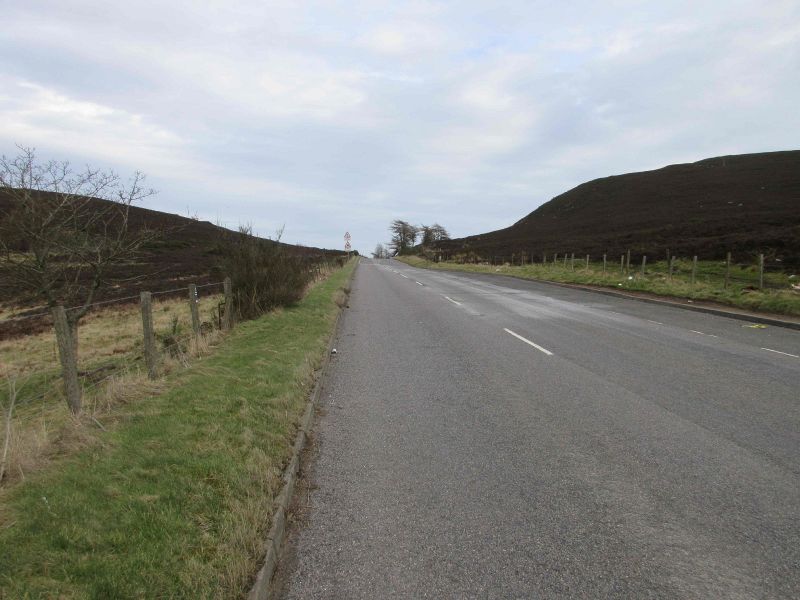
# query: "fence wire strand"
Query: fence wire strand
106,302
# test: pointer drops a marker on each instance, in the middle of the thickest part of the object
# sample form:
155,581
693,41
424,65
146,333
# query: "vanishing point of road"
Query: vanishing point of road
485,437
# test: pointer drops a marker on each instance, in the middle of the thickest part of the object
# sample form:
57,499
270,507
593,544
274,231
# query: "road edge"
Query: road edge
274,541
720,312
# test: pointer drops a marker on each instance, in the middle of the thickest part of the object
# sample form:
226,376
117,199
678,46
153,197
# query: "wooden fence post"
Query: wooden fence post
565,260
572,261
694,269
555,258
604,264
644,263
227,317
671,265
150,353
727,270
587,262
193,300
761,271
622,264
628,263
68,359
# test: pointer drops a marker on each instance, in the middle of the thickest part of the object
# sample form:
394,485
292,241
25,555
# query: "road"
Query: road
485,437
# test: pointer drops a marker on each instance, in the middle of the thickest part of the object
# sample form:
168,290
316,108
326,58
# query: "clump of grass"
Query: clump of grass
174,500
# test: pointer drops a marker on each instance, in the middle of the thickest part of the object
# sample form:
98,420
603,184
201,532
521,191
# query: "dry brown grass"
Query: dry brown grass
103,334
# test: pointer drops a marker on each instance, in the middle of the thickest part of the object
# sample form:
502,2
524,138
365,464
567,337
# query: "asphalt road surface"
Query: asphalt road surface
484,437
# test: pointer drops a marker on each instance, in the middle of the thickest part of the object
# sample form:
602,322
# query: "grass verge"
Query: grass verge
175,500
778,301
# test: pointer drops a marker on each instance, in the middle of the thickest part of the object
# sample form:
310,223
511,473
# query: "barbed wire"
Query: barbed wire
121,369
105,302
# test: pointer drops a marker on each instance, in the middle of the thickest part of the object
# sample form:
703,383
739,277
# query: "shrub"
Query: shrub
264,275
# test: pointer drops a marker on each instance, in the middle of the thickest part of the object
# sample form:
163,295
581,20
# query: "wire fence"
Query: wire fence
174,331
105,358
759,272
179,321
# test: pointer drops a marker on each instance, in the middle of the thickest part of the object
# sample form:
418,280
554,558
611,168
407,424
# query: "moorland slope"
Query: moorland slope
744,204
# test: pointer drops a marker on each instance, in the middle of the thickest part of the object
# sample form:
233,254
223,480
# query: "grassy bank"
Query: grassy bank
174,501
707,286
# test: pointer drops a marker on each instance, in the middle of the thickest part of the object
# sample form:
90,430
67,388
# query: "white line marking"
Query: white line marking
401,275
656,322
701,333
537,346
451,300
779,352
418,283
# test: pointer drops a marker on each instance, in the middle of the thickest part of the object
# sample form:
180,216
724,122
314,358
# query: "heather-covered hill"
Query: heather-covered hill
188,252
745,204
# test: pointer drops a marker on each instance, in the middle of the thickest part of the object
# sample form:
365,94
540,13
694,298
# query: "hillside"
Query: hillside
745,204
189,251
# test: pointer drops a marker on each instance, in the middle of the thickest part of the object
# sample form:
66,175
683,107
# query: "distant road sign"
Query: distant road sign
347,236
347,246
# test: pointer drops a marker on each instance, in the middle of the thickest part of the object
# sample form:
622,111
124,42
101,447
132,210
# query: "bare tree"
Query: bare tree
404,235
62,231
380,252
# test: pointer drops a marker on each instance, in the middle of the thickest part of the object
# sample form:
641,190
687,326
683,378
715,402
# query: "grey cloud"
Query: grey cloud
329,116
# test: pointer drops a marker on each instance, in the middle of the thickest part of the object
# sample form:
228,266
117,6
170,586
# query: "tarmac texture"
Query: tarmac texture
485,437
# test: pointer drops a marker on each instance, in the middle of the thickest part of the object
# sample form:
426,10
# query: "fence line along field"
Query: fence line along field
112,363
768,284
123,348
110,370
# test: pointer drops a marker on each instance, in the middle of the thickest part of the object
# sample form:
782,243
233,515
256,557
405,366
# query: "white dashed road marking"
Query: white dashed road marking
701,333
779,352
527,341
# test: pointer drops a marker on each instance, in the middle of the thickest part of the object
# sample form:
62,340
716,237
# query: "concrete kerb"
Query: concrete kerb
275,537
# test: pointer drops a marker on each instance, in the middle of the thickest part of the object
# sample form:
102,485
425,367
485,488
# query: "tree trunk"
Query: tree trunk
67,338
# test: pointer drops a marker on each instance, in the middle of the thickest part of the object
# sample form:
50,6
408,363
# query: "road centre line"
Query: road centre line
451,300
418,283
779,352
527,341
656,322
701,333
401,275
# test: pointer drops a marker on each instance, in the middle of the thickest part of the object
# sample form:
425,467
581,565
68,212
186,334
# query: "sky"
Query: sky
326,117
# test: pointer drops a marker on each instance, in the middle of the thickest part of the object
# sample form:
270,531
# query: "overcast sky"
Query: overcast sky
334,116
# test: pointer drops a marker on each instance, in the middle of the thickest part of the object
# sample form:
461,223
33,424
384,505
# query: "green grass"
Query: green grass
708,285
175,500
